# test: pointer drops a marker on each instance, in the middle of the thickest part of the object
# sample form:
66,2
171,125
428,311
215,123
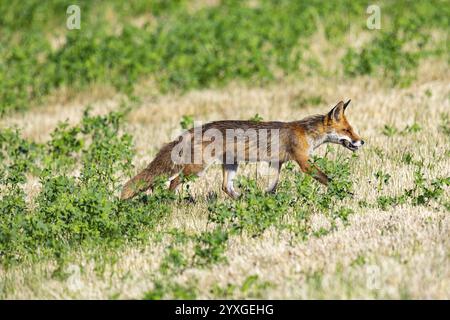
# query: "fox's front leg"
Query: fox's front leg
313,170
273,185
229,172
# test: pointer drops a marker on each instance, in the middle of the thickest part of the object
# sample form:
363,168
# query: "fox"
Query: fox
295,140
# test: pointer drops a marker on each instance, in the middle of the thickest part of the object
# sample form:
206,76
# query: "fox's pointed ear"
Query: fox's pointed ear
337,112
346,104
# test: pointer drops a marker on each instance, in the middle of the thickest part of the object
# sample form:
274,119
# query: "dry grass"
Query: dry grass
399,253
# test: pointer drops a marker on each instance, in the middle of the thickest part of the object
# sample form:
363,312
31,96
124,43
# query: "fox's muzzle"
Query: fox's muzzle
352,145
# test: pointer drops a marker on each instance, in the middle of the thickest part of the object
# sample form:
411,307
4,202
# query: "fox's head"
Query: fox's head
338,129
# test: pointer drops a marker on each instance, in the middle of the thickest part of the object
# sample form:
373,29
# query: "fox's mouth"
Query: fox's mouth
349,145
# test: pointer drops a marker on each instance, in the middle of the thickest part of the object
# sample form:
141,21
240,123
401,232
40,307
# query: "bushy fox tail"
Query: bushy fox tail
161,165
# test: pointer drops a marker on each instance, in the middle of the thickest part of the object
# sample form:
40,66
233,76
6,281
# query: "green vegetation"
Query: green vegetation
187,122
390,131
422,193
183,49
251,287
386,54
301,101
59,198
71,208
79,169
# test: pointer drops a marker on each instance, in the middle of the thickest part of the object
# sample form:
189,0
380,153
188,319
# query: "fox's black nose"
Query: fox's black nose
362,142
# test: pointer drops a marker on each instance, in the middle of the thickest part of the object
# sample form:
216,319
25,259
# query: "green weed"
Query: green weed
71,210
212,46
187,122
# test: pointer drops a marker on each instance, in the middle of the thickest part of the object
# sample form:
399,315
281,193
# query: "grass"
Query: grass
64,234
231,40
400,241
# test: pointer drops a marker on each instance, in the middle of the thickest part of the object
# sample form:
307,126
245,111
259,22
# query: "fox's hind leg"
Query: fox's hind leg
229,172
191,169
174,183
273,185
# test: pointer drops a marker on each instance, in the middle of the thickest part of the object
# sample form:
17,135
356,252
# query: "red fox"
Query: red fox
232,141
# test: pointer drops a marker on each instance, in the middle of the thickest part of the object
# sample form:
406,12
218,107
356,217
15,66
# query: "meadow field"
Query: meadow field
83,110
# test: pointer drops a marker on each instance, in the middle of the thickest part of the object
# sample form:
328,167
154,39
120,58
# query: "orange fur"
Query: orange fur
297,139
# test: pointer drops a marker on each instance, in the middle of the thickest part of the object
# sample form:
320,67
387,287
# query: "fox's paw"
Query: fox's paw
231,192
235,195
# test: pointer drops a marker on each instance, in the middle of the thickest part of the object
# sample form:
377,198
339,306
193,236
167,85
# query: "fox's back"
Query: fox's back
223,125
257,140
